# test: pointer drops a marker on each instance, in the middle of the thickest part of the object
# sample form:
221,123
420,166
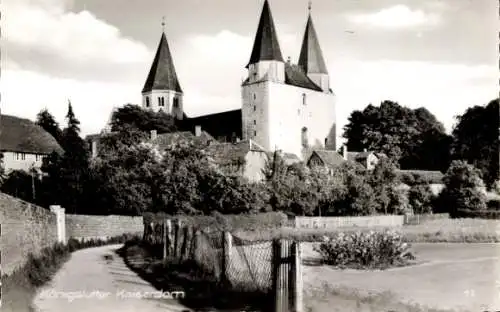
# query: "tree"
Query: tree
141,119
2,169
420,198
476,139
67,174
384,181
463,188
407,136
45,120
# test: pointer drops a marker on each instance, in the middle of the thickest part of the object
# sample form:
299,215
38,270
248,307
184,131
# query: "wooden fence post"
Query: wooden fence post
287,276
185,242
195,245
296,278
168,226
227,245
177,237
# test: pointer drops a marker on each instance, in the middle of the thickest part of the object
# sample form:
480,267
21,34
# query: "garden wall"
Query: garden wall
335,222
25,228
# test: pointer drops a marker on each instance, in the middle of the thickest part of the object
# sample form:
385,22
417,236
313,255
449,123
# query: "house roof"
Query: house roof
329,158
266,46
229,153
162,75
289,158
167,139
311,57
24,136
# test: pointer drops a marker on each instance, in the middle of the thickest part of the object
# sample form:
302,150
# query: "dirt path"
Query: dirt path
97,280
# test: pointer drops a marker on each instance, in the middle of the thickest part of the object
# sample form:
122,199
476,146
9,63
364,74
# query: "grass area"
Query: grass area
444,230
20,287
330,299
202,289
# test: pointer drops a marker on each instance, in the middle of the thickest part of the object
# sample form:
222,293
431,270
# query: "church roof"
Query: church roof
266,46
24,136
162,74
295,76
311,56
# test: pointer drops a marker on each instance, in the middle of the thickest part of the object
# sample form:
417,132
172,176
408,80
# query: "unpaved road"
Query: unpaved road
92,281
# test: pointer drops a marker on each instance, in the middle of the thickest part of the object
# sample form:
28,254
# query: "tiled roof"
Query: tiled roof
162,75
295,76
24,136
311,57
166,139
230,153
329,158
266,45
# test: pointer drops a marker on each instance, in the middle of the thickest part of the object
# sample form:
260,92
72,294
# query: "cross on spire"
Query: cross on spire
163,23
309,6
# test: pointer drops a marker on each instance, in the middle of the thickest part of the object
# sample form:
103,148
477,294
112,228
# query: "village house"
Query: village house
24,144
331,159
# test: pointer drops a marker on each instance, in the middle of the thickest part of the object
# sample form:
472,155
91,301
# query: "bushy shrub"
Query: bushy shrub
462,189
364,250
481,214
494,204
420,198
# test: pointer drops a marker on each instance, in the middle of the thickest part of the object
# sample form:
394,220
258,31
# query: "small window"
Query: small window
147,101
162,101
255,133
255,122
326,141
254,96
159,101
254,108
305,143
176,102
304,102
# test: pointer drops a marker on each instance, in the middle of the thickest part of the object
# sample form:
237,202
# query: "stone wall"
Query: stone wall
87,227
26,228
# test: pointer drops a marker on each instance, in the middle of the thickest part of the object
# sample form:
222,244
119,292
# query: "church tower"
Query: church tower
162,91
287,107
311,57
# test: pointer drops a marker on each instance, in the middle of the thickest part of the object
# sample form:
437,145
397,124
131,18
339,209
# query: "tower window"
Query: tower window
255,122
254,96
304,102
304,137
255,133
147,101
176,102
254,108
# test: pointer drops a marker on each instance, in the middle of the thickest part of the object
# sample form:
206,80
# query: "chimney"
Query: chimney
197,130
345,151
153,134
289,60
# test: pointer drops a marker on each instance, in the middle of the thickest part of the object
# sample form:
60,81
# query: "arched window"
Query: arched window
147,101
176,102
304,102
305,143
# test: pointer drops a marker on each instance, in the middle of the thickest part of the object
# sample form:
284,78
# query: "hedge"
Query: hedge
482,214
245,222
494,204
410,177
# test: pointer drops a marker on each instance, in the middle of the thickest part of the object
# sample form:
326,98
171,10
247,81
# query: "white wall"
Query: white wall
169,100
255,162
11,162
288,115
255,99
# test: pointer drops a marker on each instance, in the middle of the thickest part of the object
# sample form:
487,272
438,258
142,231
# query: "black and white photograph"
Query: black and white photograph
250,155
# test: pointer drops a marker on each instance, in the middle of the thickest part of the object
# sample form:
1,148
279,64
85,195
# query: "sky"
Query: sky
439,54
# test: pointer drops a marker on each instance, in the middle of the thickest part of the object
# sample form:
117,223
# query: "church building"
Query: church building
285,106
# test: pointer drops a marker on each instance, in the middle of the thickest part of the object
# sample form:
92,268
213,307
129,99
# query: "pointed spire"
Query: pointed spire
162,75
266,46
311,57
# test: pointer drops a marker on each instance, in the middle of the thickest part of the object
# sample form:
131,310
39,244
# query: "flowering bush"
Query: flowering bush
365,250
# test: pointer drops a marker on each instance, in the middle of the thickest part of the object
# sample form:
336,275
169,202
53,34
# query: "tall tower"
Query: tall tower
311,57
266,60
162,91
265,66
